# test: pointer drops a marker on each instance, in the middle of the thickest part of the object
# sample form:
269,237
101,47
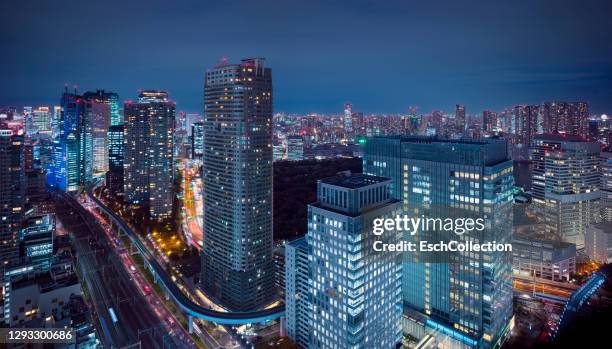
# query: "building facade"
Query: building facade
598,242
237,266
197,140
116,148
148,156
606,186
467,296
565,184
551,260
297,292
565,117
295,148
12,196
355,293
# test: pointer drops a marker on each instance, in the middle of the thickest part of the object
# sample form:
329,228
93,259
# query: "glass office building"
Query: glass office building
466,296
566,181
355,293
114,177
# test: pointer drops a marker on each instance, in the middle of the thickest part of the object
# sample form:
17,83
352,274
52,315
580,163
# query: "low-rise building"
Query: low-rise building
546,259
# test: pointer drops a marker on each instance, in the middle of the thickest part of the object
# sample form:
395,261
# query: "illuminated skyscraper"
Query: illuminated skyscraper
148,161
100,117
12,195
565,184
489,121
237,177
348,117
109,98
72,156
466,297
606,186
355,293
42,121
460,119
197,140
565,117
116,146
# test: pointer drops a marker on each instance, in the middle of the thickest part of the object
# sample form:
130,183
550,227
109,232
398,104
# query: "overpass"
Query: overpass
172,291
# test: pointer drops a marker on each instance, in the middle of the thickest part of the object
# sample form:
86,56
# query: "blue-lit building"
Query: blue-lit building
79,148
148,161
237,264
355,293
467,297
297,292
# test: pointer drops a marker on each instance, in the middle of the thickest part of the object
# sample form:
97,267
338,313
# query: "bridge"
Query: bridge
578,298
173,292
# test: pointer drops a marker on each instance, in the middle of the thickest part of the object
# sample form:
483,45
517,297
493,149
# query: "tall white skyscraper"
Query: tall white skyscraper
237,265
353,297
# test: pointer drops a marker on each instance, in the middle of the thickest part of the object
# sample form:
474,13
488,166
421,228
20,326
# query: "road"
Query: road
212,338
192,205
110,286
558,289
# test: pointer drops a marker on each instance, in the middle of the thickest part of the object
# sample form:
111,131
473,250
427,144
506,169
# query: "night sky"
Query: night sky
383,56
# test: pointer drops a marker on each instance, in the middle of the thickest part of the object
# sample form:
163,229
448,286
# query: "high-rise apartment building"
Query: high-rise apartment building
467,297
525,123
116,148
489,121
348,117
606,186
355,293
148,155
237,266
565,184
565,117
12,196
460,117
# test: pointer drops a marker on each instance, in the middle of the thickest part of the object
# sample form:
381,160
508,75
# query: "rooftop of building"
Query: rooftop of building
300,243
353,180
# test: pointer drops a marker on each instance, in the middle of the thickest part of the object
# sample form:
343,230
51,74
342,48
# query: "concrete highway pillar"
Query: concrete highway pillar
190,324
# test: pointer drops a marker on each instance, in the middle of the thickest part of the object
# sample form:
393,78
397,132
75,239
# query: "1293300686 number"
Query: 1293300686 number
37,335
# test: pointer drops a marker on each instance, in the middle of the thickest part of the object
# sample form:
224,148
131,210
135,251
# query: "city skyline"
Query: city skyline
558,53
306,175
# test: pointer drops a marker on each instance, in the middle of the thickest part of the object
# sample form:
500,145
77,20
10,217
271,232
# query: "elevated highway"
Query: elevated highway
173,292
